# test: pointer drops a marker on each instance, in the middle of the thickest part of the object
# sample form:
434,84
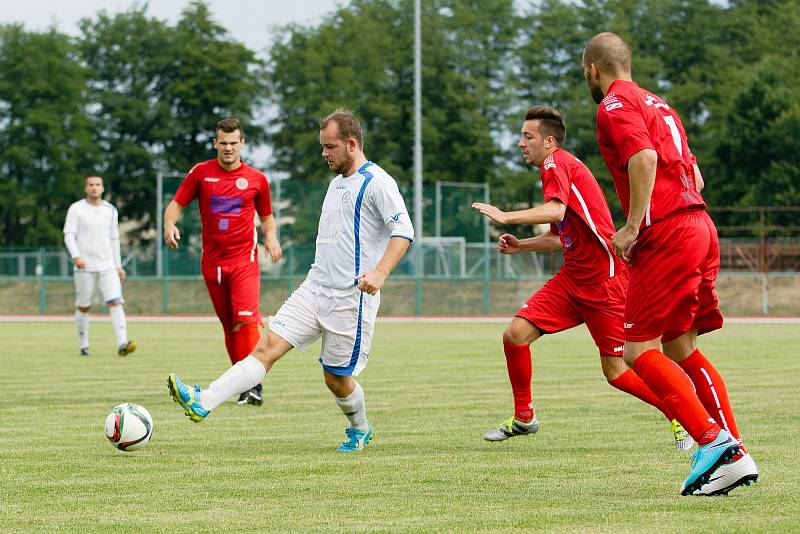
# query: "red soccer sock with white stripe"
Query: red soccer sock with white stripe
666,379
520,373
711,390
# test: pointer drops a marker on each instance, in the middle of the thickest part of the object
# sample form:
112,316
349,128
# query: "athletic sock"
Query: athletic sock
230,346
120,324
520,372
668,381
82,323
354,407
238,379
630,383
711,390
245,340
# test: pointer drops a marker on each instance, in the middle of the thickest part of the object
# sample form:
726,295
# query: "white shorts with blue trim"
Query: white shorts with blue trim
344,318
108,281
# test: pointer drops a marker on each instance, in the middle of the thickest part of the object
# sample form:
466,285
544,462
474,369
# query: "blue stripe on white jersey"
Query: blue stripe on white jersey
357,216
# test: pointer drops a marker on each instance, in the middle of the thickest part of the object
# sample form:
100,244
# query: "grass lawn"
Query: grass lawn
601,462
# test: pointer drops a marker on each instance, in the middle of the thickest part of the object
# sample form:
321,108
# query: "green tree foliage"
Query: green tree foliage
44,135
129,57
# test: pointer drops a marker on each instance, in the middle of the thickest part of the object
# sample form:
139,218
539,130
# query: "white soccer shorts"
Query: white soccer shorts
344,318
109,284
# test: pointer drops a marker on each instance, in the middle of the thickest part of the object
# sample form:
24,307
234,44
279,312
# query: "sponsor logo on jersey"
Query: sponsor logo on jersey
651,100
396,216
619,349
246,313
223,224
241,183
226,206
346,197
210,179
611,102
549,163
627,325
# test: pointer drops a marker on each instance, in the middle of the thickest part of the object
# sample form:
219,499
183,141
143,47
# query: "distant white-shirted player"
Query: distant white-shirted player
91,234
364,230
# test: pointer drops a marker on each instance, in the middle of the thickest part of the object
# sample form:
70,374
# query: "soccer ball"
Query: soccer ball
129,426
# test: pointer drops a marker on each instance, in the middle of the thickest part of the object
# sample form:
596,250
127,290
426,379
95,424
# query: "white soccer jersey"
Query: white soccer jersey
359,215
92,232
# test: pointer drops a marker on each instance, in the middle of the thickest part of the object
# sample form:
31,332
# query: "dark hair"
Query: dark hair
229,126
550,122
347,123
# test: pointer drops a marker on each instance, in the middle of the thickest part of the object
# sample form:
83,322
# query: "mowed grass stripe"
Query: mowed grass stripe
602,461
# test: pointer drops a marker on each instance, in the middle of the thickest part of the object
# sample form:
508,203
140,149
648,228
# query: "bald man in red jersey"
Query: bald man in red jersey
672,247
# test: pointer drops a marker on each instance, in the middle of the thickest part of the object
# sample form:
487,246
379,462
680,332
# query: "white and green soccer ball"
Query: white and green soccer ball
129,426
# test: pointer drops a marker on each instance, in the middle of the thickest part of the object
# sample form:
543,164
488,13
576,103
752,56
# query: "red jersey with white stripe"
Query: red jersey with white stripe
630,119
228,203
587,227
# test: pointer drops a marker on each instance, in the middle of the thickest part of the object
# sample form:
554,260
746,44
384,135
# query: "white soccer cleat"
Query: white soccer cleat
742,470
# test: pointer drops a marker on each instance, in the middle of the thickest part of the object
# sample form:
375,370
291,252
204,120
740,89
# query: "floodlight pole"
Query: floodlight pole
418,131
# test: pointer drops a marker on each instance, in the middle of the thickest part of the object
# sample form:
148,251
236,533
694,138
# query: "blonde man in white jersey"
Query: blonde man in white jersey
91,234
364,230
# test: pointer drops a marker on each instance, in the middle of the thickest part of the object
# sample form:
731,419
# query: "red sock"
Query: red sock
711,390
520,372
230,346
630,383
668,381
245,340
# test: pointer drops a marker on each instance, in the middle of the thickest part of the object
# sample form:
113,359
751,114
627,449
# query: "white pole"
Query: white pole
418,130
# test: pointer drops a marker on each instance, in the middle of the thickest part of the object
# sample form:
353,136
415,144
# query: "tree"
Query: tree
44,135
129,56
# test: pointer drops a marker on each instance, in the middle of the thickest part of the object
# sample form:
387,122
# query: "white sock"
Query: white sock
354,408
120,324
82,322
238,379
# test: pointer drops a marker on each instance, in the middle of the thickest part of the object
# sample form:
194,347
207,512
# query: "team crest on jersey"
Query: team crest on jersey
241,183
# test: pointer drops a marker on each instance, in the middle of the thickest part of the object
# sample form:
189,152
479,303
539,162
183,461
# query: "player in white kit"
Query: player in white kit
91,234
364,230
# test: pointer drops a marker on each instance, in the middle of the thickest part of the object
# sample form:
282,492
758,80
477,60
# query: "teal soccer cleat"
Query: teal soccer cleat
356,439
188,398
707,458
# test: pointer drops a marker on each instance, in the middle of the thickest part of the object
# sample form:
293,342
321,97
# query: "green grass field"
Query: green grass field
601,462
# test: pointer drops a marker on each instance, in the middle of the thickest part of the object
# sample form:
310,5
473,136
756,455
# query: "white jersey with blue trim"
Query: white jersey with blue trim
359,215
92,232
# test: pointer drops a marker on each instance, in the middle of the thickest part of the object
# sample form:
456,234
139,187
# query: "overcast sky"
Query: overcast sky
249,20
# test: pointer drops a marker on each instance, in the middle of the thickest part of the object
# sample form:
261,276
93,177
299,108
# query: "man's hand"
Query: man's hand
121,272
172,236
370,282
507,244
490,211
623,242
79,263
273,248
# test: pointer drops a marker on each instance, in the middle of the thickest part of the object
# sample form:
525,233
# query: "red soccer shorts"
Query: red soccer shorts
673,272
561,304
235,292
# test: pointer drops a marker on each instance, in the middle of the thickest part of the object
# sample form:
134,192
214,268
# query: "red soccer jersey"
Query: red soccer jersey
587,228
630,119
228,203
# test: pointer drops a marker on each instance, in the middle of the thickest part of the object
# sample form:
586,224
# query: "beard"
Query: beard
343,166
597,93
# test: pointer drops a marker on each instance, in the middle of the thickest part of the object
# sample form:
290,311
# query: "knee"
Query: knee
340,386
514,335
84,309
